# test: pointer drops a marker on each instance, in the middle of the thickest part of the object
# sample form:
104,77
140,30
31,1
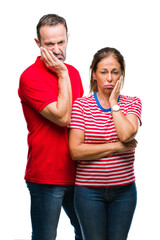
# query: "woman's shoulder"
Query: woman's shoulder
84,99
130,99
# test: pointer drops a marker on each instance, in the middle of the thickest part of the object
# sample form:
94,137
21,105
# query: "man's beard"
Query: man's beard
62,58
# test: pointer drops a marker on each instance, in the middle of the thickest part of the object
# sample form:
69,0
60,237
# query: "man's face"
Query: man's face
54,38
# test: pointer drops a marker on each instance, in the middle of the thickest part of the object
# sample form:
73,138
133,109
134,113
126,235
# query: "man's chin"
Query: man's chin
62,59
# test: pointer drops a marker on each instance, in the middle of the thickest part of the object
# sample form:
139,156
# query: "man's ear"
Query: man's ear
67,37
37,42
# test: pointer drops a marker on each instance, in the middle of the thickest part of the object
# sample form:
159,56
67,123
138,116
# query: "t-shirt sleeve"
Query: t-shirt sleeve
135,107
80,86
34,91
77,87
77,117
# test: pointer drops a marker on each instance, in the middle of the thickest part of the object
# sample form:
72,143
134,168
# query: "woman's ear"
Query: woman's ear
94,76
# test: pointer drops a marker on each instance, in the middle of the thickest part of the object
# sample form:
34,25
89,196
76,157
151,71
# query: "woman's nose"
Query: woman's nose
109,77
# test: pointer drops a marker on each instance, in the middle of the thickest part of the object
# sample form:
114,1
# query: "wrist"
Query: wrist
63,74
115,147
118,147
115,108
113,102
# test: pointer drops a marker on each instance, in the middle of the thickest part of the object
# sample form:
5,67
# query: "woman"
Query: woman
103,128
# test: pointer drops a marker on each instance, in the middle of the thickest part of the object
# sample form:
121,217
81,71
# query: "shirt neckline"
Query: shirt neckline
100,106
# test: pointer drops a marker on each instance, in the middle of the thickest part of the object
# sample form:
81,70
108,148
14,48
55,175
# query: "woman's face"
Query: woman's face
107,74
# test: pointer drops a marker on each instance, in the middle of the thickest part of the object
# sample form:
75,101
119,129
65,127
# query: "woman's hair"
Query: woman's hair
50,20
103,53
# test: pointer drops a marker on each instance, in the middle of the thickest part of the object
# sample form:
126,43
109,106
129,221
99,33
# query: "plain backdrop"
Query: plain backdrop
131,26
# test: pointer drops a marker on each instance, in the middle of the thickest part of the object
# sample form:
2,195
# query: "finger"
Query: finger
46,55
52,56
135,140
115,87
43,54
48,58
43,51
118,86
119,83
44,58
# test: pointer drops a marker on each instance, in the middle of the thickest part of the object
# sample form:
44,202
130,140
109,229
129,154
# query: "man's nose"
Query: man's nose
56,49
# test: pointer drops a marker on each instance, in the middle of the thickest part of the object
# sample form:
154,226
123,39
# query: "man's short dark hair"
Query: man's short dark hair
50,20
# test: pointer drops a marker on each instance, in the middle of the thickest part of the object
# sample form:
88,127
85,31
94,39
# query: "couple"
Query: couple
98,154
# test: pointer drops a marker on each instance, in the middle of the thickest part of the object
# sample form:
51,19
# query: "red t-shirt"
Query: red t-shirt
49,160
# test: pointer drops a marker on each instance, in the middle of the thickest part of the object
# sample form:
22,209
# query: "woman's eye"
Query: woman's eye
115,73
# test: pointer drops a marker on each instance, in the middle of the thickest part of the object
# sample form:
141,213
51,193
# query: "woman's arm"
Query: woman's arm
126,126
82,151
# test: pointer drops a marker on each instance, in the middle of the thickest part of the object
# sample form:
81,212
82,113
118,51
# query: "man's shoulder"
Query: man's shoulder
34,71
29,70
71,68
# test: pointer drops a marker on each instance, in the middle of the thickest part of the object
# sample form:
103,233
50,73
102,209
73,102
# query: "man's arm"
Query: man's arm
58,112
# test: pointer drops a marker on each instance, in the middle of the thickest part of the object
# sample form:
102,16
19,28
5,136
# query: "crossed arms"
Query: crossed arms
126,128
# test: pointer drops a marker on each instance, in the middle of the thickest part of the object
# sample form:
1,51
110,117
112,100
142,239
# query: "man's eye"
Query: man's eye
49,44
61,43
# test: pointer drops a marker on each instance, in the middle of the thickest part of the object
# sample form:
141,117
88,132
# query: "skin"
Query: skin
53,44
54,39
108,76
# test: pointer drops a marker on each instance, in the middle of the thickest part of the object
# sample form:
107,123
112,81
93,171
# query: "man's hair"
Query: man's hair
50,20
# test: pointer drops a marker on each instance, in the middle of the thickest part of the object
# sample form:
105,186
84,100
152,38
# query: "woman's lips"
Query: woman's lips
109,86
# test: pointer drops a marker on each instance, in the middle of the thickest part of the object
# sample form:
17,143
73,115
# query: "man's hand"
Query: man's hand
53,63
58,112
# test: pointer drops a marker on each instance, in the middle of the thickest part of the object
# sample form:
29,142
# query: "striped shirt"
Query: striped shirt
98,126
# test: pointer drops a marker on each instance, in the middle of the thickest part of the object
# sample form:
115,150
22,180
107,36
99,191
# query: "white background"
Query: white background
130,26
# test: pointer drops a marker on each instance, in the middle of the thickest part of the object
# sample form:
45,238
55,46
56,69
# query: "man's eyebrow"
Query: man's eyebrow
49,43
61,41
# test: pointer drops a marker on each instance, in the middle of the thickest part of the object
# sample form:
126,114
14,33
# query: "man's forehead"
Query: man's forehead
55,29
53,33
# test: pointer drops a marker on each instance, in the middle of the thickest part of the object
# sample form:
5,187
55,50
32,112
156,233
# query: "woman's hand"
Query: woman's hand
128,146
115,93
52,62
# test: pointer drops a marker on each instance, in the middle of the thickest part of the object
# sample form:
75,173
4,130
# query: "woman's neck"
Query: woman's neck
103,99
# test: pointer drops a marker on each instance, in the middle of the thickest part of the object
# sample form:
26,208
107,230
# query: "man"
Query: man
47,90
